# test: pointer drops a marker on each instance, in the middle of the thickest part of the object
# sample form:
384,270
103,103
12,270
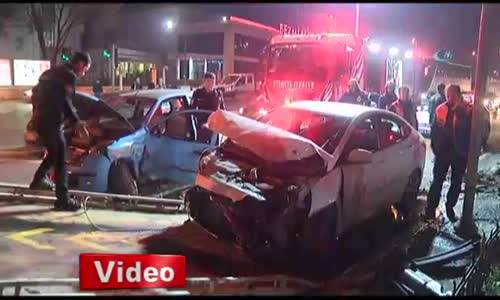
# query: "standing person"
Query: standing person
137,84
151,85
450,135
354,94
435,101
388,97
52,107
404,107
97,88
207,96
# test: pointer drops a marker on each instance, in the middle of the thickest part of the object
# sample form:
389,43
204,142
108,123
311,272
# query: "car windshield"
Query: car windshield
310,62
134,109
323,129
230,79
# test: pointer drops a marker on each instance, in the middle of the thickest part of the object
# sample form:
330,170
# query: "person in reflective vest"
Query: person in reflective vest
450,138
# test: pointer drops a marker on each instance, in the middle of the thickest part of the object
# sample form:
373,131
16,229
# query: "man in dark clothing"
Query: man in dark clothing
435,101
97,88
207,96
52,107
450,135
354,95
404,107
388,97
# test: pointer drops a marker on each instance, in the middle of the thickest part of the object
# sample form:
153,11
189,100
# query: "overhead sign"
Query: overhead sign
5,74
444,55
27,72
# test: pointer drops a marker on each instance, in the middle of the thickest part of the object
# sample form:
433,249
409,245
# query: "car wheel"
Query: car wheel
408,203
121,181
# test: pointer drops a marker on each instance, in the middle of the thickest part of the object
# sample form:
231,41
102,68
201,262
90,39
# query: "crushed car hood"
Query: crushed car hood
87,105
267,142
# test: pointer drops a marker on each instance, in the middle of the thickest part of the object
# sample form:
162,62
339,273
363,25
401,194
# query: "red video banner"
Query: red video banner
131,271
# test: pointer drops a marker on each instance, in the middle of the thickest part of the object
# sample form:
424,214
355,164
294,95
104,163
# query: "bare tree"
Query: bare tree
54,22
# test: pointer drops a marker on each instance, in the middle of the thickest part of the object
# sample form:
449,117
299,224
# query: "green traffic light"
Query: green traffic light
106,53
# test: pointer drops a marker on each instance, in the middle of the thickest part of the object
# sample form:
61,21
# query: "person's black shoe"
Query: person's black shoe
67,206
450,213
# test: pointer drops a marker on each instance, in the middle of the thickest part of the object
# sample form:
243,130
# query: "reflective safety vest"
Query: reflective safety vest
461,126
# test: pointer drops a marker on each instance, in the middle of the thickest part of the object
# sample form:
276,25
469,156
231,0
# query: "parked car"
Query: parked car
237,83
305,174
138,138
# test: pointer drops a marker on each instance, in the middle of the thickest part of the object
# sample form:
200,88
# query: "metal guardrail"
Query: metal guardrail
269,285
15,192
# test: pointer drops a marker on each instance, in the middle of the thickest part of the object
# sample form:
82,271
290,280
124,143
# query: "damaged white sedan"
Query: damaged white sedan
305,174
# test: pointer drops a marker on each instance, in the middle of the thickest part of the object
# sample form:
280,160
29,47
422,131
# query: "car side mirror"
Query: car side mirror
360,156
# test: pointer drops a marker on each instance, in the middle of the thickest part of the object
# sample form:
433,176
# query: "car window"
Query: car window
185,126
241,81
390,132
364,136
167,107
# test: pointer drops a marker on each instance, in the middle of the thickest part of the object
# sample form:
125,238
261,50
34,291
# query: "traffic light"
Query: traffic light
65,54
106,53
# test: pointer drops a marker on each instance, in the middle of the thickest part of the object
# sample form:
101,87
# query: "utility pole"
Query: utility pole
357,19
467,228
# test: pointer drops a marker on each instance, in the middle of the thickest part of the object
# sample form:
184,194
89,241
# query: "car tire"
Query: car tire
121,181
407,205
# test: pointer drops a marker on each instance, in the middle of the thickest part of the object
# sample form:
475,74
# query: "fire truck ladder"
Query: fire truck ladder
332,91
268,285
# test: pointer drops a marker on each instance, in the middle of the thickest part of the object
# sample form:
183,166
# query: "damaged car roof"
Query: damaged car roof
331,108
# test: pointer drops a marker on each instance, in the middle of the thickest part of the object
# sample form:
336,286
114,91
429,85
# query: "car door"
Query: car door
396,149
363,183
173,147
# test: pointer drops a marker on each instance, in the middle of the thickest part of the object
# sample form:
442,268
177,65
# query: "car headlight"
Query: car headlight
263,112
241,111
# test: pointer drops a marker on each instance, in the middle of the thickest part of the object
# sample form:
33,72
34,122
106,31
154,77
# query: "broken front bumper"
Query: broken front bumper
271,218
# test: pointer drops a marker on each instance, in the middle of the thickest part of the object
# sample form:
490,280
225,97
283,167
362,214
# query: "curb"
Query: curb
22,152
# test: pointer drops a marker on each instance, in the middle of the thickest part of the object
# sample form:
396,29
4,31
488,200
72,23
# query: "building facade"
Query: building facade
230,45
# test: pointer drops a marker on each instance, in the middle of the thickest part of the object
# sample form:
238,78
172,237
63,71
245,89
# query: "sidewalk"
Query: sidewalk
14,115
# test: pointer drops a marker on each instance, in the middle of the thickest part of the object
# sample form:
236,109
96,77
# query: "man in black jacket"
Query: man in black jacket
435,101
354,94
52,107
388,97
207,96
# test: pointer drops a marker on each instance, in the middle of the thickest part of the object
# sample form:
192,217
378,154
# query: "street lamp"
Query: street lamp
224,19
393,51
169,25
374,47
408,54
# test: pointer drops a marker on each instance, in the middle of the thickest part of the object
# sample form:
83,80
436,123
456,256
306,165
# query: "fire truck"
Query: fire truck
319,66
307,67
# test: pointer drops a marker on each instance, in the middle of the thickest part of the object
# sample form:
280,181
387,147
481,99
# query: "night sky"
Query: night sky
453,26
